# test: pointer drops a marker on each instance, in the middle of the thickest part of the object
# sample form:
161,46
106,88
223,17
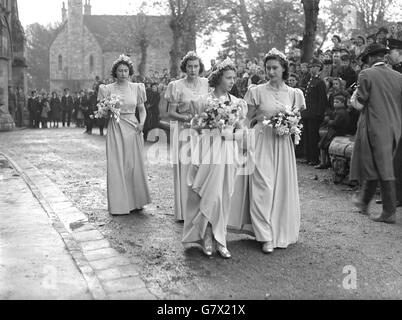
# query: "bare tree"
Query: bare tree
371,13
246,23
334,16
183,25
311,9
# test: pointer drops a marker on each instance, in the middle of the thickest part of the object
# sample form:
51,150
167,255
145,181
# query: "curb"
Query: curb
108,274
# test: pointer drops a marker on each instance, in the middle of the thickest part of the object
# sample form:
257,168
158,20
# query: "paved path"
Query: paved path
48,250
341,254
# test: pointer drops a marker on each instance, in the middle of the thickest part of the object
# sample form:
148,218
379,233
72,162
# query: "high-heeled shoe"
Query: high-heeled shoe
223,251
268,247
207,246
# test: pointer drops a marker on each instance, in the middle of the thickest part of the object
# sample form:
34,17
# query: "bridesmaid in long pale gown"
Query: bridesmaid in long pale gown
212,181
274,193
127,186
181,94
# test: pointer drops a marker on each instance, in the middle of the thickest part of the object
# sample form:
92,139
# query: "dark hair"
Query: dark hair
346,57
116,65
183,65
215,77
255,79
283,62
338,37
378,55
294,75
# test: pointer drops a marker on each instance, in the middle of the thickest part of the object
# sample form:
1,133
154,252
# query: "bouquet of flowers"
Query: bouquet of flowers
286,123
219,114
108,107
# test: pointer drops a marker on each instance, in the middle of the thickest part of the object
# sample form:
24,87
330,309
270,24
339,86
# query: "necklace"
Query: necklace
227,97
122,86
274,88
193,86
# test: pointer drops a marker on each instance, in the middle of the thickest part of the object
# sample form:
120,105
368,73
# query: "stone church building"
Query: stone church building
12,59
86,45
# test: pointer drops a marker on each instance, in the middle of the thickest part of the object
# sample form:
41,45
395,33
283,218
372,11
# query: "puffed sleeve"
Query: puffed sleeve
102,92
300,103
243,105
141,94
251,97
172,94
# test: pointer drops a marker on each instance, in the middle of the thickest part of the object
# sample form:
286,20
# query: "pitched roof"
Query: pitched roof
117,32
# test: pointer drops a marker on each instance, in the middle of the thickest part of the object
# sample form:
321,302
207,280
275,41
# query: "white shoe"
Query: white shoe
223,251
268,247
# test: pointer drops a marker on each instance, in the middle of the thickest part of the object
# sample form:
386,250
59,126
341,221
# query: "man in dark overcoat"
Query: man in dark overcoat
87,103
67,104
379,96
32,109
313,115
395,58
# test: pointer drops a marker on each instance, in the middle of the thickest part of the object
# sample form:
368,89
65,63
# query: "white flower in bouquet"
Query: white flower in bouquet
286,123
218,114
109,107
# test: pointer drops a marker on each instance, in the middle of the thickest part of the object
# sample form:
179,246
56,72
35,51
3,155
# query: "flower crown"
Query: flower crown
225,63
276,52
191,54
123,58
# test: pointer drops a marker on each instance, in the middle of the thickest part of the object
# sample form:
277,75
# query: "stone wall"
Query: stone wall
75,30
59,79
161,40
108,59
91,48
59,48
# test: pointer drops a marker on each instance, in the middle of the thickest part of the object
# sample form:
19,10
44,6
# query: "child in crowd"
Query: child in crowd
293,80
337,88
338,125
304,76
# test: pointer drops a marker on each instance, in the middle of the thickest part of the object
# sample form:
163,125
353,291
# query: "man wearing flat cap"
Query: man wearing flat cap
395,59
316,105
379,97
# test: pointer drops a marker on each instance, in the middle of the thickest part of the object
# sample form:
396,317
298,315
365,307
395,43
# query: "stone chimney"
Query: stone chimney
87,8
63,13
75,29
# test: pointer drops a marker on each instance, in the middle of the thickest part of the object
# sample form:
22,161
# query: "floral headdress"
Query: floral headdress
276,52
225,63
191,54
123,58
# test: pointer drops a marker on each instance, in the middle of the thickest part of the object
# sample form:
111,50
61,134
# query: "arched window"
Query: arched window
91,62
60,63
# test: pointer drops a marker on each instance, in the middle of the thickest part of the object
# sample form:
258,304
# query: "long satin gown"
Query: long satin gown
273,186
127,186
211,185
179,92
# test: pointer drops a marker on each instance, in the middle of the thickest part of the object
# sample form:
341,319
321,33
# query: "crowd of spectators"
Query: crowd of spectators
339,67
